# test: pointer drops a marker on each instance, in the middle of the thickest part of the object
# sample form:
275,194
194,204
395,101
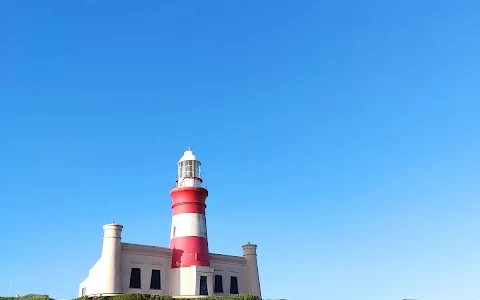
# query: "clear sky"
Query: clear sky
342,137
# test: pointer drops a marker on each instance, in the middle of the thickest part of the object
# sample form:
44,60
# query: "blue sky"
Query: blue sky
342,137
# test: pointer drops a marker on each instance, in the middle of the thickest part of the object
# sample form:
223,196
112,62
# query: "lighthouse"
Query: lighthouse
185,269
190,273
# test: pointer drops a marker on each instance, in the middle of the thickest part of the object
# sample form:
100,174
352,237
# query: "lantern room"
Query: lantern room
189,170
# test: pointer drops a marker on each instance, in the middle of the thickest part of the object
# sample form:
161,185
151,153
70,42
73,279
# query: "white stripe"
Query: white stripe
189,182
188,224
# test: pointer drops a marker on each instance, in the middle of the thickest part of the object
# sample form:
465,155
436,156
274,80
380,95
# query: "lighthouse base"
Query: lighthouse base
191,281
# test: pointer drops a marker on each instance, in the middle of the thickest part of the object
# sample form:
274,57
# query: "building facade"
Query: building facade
186,268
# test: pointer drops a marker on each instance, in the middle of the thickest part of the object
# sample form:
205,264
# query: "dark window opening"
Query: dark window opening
233,285
203,285
155,282
84,291
135,279
218,284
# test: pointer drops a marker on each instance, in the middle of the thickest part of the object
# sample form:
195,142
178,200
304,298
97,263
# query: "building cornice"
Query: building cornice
167,252
228,259
146,250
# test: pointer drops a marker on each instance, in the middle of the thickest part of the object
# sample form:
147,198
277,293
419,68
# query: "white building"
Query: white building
186,268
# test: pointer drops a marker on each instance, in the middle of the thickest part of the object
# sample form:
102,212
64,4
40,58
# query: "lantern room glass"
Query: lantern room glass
189,168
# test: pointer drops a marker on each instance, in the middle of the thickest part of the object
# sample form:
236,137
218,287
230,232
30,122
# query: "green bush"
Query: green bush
28,297
129,296
237,297
132,296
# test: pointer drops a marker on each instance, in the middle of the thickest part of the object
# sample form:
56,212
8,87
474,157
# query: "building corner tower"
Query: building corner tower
111,282
251,270
190,273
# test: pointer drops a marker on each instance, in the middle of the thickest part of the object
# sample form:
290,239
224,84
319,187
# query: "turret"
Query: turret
111,260
251,270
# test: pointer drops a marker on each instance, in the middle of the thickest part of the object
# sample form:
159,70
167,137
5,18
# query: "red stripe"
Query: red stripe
183,208
190,251
188,200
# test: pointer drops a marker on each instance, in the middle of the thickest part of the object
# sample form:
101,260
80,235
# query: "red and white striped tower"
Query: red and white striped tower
190,273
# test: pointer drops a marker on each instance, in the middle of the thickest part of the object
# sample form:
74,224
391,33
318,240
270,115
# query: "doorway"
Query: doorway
203,286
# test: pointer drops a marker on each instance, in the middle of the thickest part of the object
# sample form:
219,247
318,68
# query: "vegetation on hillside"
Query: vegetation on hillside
28,297
132,296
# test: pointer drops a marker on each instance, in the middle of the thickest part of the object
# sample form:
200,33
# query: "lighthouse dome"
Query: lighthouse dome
188,155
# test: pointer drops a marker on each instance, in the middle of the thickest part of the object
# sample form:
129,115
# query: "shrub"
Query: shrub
134,296
28,297
236,297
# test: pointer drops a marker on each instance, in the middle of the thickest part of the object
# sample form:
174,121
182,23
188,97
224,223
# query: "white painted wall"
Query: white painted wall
146,258
91,281
203,271
111,280
182,281
94,286
252,282
189,224
143,257
228,266
189,182
187,281
105,276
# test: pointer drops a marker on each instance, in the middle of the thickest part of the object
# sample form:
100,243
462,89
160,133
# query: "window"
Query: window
197,169
135,279
203,285
218,284
233,285
180,171
189,169
155,282
84,291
